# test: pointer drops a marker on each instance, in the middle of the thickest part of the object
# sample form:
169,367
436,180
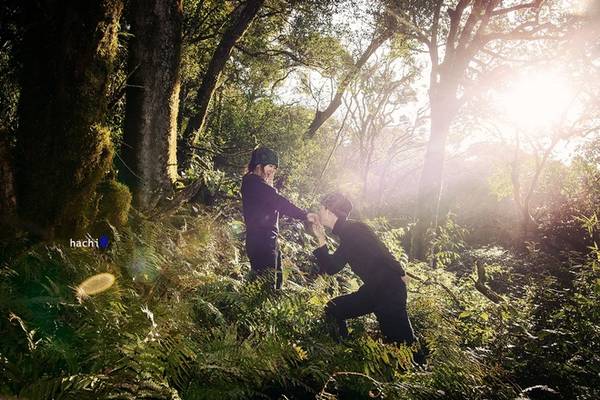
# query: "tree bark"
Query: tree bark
149,149
63,149
240,21
7,185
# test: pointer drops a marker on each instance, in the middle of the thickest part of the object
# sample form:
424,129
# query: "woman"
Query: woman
262,205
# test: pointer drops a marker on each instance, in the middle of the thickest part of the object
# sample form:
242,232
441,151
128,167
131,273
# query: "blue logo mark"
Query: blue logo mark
103,242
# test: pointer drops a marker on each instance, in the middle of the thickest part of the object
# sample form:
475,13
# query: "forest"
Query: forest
465,134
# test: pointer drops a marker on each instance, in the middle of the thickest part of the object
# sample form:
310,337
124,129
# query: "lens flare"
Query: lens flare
94,285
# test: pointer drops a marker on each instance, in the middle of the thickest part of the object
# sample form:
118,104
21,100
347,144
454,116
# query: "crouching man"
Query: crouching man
384,289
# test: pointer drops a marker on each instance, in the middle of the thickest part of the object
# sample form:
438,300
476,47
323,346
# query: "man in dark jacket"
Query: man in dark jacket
384,289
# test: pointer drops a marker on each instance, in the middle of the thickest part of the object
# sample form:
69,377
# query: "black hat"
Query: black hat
264,156
338,204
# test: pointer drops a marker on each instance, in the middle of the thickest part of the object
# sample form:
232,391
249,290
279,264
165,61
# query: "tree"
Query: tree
9,93
548,114
581,123
9,37
457,41
239,21
283,37
7,184
321,116
376,98
150,135
63,149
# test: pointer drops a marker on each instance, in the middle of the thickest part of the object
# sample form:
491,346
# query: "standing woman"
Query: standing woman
262,205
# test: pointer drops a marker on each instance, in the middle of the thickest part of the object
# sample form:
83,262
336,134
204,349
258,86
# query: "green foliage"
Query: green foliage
9,66
9,91
565,323
182,322
446,243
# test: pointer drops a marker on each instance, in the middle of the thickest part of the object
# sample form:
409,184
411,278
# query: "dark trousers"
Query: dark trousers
265,258
387,301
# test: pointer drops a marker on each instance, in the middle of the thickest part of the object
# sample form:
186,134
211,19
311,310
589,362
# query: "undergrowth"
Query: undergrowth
181,322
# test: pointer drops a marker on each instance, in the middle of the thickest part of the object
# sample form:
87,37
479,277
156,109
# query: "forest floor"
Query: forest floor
181,321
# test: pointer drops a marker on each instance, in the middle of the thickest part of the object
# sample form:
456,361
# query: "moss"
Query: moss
81,202
63,151
115,201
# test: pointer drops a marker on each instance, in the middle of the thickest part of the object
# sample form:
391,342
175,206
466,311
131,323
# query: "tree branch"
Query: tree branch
503,11
518,34
322,116
455,17
240,20
272,52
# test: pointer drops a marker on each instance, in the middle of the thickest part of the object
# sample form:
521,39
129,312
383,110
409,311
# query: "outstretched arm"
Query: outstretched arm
286,207
257,187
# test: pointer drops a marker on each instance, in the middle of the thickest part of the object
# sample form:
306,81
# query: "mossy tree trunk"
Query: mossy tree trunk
150,139
63,150
7,187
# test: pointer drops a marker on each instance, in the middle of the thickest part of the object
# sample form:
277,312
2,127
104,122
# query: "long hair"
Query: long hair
250,167
258,169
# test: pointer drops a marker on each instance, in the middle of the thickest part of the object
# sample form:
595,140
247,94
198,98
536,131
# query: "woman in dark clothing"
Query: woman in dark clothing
262,205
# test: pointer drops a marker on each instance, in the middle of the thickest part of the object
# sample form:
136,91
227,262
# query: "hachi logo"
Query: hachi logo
100,243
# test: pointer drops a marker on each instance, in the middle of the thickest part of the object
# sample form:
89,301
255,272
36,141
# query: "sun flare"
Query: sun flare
537,100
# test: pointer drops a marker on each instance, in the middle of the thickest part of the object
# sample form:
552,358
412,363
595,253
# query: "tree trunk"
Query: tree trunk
367,166
443,110
522,207
240,20
336,143
7,187
527,223
150,137
382,180
63,150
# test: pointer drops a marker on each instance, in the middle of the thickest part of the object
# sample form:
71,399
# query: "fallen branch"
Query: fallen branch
182,197
483,289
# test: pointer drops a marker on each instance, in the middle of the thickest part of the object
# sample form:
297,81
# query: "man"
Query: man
384,289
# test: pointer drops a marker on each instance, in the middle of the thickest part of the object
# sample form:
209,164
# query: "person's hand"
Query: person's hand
312,218
316,228
319,232
405,279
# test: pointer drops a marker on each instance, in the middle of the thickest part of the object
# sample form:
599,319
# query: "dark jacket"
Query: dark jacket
368,257
262,206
